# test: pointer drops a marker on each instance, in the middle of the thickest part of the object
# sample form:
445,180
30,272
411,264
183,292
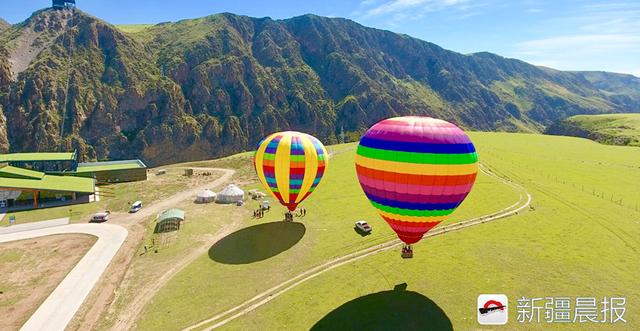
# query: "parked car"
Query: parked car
363,226
100,217
135,207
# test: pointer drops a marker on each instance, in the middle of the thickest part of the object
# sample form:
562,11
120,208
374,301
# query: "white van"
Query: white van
100,217
135,207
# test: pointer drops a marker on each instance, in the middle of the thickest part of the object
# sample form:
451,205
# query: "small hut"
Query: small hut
206,196
230,194
169,220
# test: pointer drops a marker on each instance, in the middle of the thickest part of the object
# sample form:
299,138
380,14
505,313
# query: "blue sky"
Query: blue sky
563,34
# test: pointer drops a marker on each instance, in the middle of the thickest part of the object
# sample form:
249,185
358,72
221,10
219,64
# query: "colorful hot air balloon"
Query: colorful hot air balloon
415,171
290,165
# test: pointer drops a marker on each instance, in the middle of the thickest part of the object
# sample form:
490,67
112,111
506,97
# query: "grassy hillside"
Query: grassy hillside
133,28
4,24
612,129
580,239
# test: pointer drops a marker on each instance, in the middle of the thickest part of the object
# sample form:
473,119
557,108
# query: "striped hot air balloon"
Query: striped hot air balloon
290,165
415,171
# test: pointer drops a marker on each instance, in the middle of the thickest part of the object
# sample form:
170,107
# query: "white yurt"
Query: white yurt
230,194
206,196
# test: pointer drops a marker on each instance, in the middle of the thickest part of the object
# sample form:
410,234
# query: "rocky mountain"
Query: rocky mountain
4,24
623,89
216,85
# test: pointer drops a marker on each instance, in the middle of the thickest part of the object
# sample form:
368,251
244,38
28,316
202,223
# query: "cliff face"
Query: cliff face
216,85
5,81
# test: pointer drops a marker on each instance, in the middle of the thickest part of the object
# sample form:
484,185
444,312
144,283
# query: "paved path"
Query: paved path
34,225
270,294
61,305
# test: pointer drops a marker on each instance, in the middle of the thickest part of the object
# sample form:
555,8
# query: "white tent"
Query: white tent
206,196
230,194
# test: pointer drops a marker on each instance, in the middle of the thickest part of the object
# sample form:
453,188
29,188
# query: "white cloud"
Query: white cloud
406,9
595,36
579,43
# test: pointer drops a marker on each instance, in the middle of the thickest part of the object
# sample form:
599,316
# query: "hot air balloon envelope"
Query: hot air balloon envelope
415,171
290,165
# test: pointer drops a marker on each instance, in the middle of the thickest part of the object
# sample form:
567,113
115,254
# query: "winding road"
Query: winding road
61,305
270,294
128,316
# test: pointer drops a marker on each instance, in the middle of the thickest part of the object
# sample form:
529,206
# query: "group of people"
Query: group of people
300,212
259,213
288,216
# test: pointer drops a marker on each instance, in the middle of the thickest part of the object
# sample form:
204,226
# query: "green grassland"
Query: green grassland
133,28
612,129
266,252
581,239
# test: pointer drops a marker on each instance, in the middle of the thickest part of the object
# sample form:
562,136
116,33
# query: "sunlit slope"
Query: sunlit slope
612,129
265,254
576,242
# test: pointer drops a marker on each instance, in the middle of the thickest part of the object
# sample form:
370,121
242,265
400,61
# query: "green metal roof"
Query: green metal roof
9,171
50,183
171,214
107,166
26,157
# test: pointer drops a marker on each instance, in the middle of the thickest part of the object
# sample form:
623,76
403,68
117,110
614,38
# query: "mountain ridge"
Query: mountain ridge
4,24
212,86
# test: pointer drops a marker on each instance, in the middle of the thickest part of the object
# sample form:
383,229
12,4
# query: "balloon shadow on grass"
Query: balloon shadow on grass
257,243
387,310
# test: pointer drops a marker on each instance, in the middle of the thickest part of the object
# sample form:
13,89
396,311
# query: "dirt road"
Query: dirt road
105,300
103,296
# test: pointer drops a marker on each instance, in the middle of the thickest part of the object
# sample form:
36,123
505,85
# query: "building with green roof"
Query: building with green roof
45,162
24,188
26,157
43,179
113,171
67,164
169,220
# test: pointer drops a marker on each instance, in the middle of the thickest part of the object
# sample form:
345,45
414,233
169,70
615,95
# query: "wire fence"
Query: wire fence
616,198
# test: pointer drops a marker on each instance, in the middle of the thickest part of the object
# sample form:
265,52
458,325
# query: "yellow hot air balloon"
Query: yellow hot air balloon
290,165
